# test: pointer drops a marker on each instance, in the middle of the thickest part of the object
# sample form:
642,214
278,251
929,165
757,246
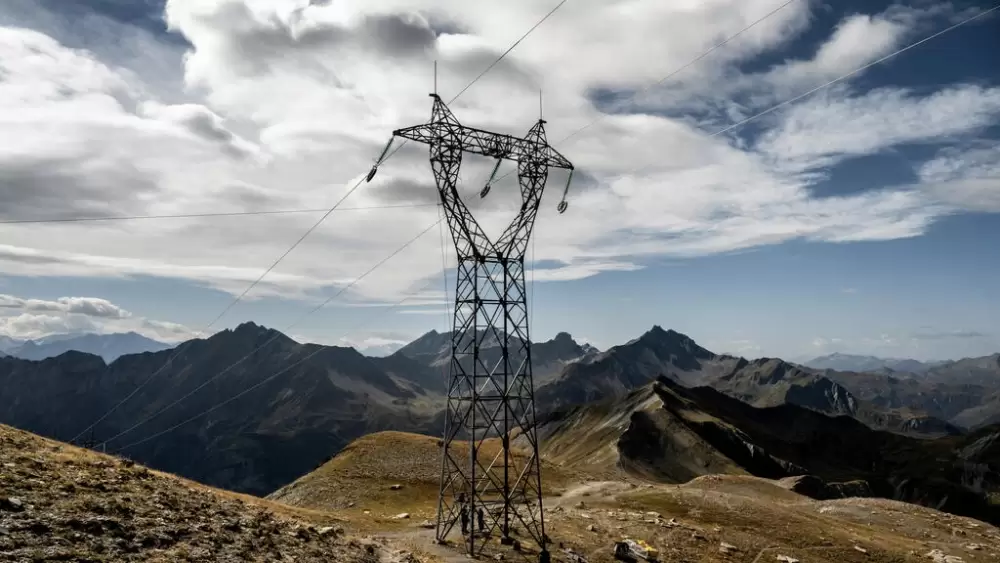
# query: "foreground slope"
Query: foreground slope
58,502
711,519
362,476
668,433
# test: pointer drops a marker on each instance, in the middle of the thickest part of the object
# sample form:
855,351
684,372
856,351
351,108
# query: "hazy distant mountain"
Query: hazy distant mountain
107,346
851,362
8,343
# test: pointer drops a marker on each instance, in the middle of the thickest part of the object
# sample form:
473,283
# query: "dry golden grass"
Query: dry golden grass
357,483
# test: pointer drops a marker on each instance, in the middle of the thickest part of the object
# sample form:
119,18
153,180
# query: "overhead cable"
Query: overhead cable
276,335
268,379
201,215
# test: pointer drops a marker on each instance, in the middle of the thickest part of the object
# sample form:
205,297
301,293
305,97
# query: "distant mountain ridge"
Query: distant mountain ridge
108,346
851,362
766,382
240,409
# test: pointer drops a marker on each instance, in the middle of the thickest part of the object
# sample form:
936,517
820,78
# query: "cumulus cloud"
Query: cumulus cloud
202,123
88,306
290,101
34,318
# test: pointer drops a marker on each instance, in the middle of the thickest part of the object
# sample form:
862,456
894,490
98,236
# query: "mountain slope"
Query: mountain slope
60,503
281,427
107,346
670,433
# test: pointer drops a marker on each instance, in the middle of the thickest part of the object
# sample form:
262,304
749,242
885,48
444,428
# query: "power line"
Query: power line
231,304
838,79
384,158
684,67
201,215
276,335
269,378
673,73
855,71
509,49
490,67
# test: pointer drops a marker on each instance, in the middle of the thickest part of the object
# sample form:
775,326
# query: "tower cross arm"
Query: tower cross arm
486,143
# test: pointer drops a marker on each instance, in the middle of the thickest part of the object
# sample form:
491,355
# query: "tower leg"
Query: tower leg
490,399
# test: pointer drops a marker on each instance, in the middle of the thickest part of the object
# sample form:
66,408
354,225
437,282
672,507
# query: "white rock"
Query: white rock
787,559
401,516
861,549
939,556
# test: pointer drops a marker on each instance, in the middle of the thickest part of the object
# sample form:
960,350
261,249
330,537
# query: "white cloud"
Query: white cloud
310,91
859,125
35,318
202,123
966,177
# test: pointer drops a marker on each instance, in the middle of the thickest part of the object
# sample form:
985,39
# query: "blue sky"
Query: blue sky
860,219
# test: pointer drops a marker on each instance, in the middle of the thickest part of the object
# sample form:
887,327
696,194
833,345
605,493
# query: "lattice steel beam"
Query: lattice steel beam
489,401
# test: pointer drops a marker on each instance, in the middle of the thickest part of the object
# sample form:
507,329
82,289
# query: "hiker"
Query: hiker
482,520
465,519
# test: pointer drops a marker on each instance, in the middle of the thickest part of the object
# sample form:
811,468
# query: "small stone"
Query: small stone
591,528
428,524
396,487
974,547
697,536
581,504
787,559
350,505
11,504
498,557
727,548
861,549
401,516
653,514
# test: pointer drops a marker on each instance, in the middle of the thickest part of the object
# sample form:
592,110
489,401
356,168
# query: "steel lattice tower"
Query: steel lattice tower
490,395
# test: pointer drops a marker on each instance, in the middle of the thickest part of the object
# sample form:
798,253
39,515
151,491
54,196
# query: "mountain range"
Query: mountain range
851,362
107,346
250,409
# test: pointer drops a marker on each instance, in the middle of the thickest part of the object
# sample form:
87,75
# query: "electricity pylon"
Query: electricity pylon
490,397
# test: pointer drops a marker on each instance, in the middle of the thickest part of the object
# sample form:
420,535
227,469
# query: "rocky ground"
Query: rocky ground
60,503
